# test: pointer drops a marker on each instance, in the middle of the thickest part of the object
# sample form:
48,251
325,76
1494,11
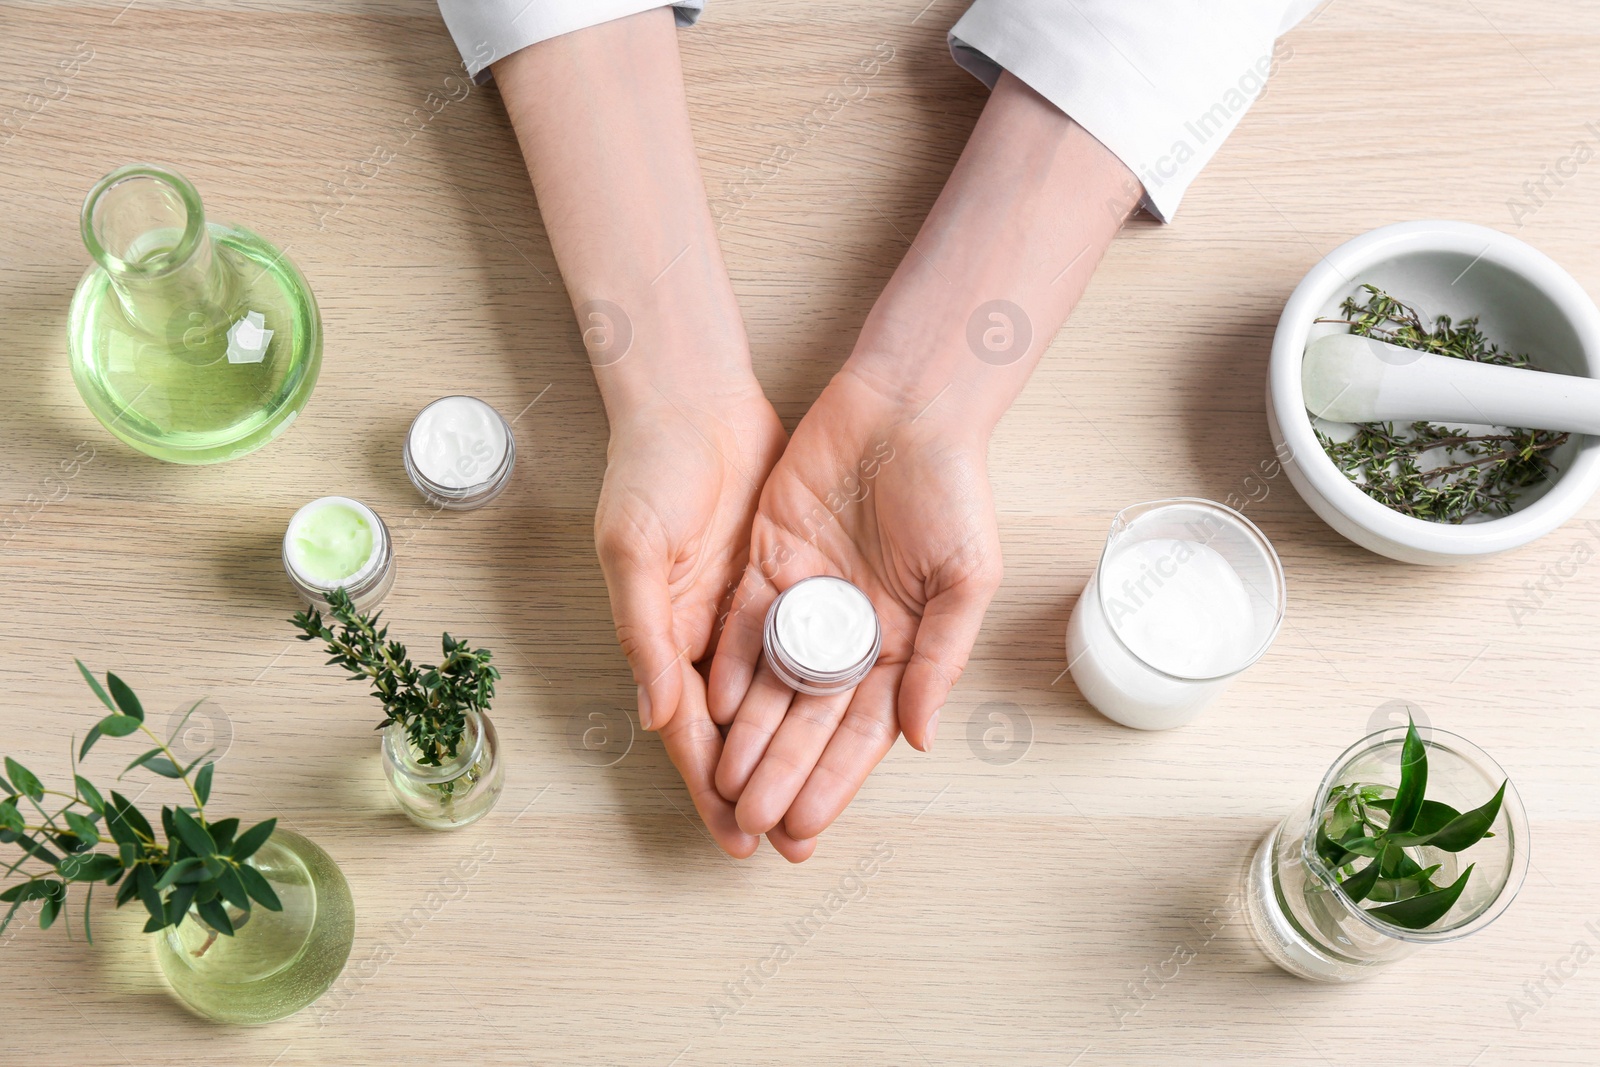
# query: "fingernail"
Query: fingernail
644,707
933,730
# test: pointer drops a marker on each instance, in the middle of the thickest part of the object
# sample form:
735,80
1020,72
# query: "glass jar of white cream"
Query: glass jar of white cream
459,453
821,636
338,543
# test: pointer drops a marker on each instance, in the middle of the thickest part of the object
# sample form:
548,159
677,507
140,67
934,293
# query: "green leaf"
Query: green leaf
23,892
89,867
213,912
83,827
88,899
142,759
194,835
126,701
232,889
126,891
252,839
150,896
182,872
10,818
164,767
1424,909
1362,846
91,796
88,743
1404,887
53,900
36,850
259,887
1413,783
178,903
23,780
1334,856
202,782
1358,885
115,726
1432,817
99,691
222,832
126,822
1465,830
178,729
1396,864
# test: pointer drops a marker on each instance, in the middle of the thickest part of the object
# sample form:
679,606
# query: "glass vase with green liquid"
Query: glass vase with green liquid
193,342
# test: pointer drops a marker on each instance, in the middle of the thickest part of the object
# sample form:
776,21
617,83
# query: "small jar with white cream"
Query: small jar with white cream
459,453
822,636
338,543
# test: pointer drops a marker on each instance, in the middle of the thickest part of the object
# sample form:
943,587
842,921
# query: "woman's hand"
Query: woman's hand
885,483
672,529
896,501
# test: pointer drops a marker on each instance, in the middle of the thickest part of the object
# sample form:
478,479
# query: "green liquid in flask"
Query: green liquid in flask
193,342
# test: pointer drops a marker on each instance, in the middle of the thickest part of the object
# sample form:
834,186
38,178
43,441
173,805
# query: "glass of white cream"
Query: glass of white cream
821,635
1188,594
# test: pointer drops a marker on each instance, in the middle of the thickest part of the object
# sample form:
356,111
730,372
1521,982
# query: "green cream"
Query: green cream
331,541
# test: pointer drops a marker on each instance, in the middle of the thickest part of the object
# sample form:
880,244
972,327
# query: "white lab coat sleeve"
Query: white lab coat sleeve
1160,83
487,30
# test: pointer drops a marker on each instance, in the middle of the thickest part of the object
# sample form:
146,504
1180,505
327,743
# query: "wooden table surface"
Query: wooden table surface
1051,888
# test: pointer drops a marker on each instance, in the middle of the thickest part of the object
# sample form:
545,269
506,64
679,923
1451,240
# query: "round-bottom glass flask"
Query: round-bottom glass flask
276,962
193,342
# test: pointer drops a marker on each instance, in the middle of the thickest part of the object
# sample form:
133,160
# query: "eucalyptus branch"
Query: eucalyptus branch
201,866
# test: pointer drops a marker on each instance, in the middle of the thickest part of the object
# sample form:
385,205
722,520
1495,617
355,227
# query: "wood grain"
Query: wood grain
1026,894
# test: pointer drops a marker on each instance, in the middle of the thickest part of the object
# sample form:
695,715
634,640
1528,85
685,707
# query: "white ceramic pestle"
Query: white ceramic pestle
1347,378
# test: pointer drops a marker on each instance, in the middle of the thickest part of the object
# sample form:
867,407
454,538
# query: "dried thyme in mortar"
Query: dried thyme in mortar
1475,474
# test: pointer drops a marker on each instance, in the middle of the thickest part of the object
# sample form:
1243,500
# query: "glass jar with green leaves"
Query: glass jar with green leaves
249,926
441,754
1407,842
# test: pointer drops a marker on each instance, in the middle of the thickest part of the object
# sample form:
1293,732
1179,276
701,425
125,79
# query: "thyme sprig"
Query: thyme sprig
429,702
1362,822
201,864
1477,474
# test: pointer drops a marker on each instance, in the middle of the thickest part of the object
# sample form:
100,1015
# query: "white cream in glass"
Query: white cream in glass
1187,594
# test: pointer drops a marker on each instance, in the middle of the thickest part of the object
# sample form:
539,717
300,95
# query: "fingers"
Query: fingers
945,637
793,752
739,649
792,849
642,607
695,744
758,719
864,737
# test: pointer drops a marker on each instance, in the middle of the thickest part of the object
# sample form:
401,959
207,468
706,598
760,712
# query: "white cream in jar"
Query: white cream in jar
459,452
822,635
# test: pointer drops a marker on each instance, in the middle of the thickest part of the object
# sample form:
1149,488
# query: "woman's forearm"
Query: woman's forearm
601,117
998,265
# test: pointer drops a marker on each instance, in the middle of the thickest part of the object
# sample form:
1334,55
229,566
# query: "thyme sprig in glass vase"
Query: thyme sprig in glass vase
440,750
249,926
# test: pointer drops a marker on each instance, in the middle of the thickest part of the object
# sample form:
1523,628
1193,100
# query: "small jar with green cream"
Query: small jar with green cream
335,542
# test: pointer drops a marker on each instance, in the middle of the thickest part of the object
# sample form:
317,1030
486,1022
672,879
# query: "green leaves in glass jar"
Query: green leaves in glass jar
1363,824
201,864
